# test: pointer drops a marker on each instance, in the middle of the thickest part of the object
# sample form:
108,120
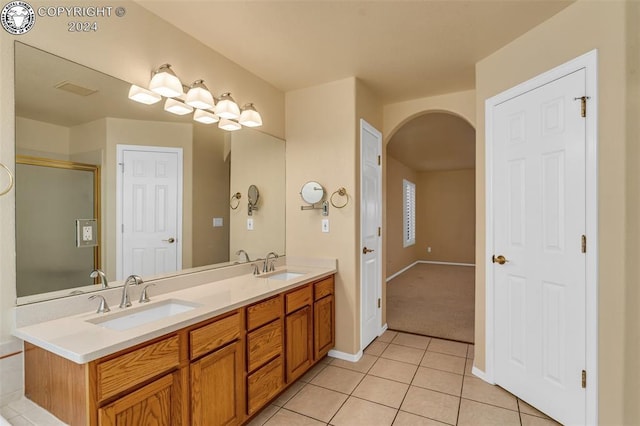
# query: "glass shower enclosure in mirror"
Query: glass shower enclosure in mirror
69,114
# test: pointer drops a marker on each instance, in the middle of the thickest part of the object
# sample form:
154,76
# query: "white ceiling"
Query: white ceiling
401,49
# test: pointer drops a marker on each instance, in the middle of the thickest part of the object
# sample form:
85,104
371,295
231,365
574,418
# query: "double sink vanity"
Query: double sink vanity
212,353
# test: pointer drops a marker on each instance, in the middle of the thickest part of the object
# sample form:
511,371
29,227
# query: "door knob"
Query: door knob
499,259
366,250
170,240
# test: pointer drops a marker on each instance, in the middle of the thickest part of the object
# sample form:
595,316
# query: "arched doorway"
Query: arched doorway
430,273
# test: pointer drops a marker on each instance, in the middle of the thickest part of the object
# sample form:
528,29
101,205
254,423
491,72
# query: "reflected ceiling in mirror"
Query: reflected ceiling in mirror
68,112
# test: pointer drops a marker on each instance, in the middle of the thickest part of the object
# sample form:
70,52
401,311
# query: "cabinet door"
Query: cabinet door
216,388
323,330
298,344
158,403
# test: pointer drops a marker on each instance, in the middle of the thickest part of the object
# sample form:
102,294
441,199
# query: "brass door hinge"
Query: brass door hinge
379,303
584,379
583,105
584,243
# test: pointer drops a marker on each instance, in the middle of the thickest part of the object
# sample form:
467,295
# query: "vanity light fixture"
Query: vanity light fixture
142,95
205,117
229,125
227,107
165,82
249,116
177,107
199,96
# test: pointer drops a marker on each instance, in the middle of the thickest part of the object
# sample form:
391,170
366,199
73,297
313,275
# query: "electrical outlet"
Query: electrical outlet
428,249
325,225
87,233
250,224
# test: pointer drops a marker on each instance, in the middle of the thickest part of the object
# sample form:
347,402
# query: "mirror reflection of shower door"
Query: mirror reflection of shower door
53,195
151,204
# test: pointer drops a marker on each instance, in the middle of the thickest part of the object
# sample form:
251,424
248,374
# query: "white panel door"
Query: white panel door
538,187
370,226
150,206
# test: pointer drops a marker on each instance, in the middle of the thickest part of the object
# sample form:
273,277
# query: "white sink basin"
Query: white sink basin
284,276
134,317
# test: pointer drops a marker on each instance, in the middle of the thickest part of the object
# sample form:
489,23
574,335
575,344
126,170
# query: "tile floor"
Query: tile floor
402,379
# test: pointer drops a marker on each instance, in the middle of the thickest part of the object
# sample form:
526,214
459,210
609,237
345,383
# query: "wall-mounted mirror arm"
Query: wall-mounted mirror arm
313,194
253,195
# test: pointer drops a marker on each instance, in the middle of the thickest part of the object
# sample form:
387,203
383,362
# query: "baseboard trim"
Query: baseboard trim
384,328
345,356
433,262
481,375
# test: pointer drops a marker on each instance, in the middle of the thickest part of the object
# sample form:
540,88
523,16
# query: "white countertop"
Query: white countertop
78,340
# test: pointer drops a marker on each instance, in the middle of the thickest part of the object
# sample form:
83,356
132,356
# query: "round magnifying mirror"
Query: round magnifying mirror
253,195
312,192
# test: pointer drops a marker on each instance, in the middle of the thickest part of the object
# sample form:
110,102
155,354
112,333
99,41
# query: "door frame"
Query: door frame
588,62
369,128
120,148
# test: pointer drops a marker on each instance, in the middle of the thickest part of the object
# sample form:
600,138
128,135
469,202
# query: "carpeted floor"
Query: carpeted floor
433,300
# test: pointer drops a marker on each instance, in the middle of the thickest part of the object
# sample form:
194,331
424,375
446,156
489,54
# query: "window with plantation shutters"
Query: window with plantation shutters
408,213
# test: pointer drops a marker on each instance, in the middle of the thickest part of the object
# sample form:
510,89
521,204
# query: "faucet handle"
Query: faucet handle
144,297
103,307
256,270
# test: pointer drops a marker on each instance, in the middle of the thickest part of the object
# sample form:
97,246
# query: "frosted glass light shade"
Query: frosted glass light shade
142,95
164,82
205,117
229,125
199,96
227,107
177,107
250,117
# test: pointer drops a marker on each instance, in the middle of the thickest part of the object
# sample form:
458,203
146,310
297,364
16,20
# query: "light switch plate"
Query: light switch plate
218,222
86,233
325,225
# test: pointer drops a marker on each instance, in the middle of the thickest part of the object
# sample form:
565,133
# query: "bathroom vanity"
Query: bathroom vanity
244,341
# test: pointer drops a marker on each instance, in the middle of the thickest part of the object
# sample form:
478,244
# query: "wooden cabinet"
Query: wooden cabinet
299,343
323,317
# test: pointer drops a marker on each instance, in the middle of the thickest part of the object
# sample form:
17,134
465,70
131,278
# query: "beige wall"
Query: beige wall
37,138
127,48
398,257
581,27
445,216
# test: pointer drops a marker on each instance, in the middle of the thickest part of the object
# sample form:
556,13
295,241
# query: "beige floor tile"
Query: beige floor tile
431,404
477,414
387,336
360,412
529,420
411,340
450,363
438,380
313,401
407,419
309,375
289,393
381,391
448,347
528,409
471,351
481,391
376,348
338,379
468,369
288,418
326,360
363,365
403,354
264,415
393,370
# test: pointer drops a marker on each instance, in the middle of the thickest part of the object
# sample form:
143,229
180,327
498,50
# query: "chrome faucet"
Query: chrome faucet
103,278
266,267
125,302
246,256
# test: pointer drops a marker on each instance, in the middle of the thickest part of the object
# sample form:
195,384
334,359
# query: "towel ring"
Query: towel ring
8,188
343,193
236,197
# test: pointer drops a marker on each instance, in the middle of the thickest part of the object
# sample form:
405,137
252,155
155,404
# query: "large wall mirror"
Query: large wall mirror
110,148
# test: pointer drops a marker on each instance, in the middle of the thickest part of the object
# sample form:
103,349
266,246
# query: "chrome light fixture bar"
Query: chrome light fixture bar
199,96
165,82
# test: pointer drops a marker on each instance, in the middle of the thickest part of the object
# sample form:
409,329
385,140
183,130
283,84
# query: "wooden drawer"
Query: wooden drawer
264,312
125,371
263,385
212,336
298,298
263,344
323,288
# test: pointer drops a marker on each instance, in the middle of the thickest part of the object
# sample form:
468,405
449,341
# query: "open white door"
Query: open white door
538,225
370,231
149,204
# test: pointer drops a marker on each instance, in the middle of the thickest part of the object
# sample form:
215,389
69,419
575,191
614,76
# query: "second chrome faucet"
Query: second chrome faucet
125,301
